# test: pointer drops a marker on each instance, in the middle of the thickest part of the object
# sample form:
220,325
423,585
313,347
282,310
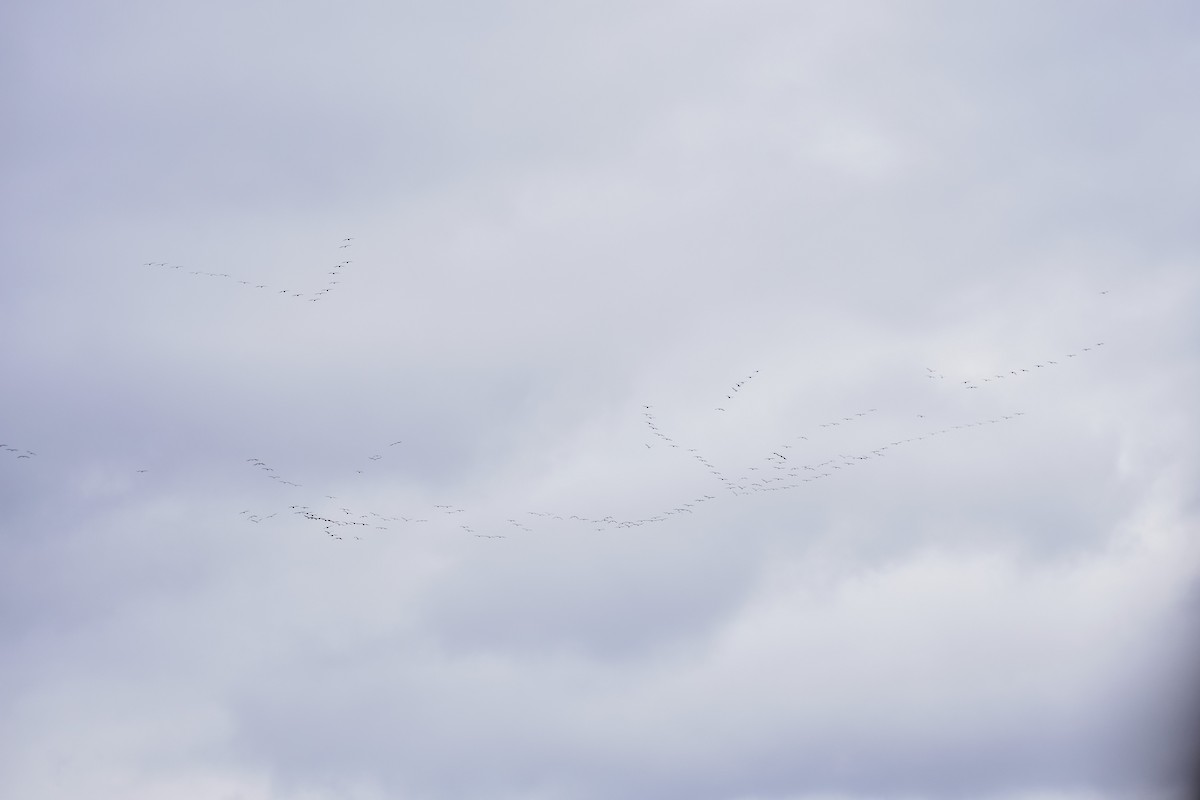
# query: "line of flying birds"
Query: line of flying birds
310,295
775,473
780,469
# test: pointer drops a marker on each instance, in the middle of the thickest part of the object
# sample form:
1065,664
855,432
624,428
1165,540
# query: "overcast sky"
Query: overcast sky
550,401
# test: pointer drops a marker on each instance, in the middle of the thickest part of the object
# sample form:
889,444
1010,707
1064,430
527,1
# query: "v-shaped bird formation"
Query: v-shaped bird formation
304,289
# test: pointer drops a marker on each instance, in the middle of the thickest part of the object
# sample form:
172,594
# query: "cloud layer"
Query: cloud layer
664,400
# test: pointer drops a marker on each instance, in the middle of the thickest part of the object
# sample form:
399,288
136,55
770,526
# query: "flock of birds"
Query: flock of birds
335,273
737,387
783,466
1015,372
778,470
19,453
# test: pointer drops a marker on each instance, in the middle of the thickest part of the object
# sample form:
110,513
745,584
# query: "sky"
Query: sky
573,401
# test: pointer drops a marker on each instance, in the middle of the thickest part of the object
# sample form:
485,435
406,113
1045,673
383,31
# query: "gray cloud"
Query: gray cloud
669,400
